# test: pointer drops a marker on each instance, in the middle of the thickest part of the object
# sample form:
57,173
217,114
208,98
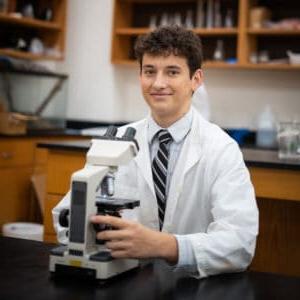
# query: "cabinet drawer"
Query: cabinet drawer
275,183
16,153
61,165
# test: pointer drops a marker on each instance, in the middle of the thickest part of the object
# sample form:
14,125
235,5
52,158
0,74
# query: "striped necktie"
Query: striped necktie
159,172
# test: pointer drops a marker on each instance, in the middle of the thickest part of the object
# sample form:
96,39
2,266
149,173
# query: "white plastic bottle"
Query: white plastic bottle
266,129
201,102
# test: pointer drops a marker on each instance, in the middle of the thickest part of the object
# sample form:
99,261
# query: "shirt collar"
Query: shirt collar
178,130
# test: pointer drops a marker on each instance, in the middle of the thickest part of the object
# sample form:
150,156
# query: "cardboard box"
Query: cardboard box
10,124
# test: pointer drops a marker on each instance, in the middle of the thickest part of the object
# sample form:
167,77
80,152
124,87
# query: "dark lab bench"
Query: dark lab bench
24,275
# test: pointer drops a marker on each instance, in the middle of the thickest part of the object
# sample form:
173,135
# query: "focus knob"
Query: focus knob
63,218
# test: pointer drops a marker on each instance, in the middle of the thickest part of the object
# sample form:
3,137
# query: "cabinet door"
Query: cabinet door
61,165
15,194
16,152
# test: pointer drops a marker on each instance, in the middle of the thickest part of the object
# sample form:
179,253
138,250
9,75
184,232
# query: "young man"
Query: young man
198,209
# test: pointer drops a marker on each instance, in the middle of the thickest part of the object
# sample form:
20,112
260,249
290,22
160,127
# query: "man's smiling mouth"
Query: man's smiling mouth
160,94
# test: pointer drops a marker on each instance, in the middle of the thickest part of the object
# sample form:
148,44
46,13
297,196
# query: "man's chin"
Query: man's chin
161,110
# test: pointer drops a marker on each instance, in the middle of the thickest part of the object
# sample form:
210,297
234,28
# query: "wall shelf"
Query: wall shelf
216,31
261,66
279,32
26,55
29,22
213,31
51,32
132,17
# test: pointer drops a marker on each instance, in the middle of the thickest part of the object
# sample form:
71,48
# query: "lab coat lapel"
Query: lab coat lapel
143,158
189,156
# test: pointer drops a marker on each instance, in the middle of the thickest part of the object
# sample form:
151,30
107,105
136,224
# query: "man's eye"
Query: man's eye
173,73
148,72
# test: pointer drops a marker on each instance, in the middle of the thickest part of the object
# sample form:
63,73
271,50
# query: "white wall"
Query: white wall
100,91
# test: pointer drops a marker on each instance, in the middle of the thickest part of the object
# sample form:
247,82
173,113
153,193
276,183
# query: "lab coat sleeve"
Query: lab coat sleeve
61,232
186,257
228,244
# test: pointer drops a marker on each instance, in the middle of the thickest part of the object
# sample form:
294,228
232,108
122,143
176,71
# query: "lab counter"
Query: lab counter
277,190
43,133
24,275
253,157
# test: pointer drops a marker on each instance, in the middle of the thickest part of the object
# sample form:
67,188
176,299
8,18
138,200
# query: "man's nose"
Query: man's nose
160,81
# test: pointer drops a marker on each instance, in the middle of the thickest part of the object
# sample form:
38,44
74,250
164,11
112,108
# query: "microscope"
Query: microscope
92,193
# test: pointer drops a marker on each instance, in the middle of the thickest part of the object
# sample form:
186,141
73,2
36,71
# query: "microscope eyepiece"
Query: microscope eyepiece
111,131
111,134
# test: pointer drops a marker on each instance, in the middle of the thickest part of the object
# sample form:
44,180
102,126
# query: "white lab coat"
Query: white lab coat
211,199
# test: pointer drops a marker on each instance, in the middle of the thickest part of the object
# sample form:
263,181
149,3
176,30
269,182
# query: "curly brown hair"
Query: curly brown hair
168,40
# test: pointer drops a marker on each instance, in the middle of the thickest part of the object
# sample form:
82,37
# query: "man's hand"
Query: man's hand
133,240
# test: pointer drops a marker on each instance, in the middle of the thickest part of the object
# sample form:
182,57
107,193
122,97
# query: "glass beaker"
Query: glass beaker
288,136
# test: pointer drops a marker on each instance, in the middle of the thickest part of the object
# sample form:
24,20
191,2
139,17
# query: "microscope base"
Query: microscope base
66,264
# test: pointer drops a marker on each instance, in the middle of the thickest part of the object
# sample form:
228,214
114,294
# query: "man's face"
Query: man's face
167,86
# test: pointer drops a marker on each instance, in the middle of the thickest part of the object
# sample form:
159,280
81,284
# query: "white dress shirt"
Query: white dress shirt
179,131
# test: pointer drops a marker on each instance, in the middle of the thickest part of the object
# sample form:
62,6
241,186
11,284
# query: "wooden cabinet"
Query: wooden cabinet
19,161
16,153
47,24
278,198
16,166
132,18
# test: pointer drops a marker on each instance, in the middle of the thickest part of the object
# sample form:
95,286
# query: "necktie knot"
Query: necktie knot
164,136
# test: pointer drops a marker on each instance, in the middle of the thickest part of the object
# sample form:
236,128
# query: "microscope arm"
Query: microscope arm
84,183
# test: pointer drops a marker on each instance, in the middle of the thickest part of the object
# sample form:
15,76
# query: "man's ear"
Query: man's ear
197,79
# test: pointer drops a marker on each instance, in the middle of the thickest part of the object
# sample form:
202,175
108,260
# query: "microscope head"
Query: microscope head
112,151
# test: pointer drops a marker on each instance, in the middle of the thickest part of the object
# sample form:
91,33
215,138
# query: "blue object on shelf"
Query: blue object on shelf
239,135
231,60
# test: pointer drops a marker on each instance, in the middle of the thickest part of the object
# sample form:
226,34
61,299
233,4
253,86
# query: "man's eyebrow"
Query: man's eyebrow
170,67
173,67
148,66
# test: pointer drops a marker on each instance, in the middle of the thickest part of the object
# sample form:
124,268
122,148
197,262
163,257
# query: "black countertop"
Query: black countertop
44,133
253,157
24,275
82,145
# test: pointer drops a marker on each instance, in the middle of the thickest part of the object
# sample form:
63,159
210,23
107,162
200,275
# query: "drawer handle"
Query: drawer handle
7,155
